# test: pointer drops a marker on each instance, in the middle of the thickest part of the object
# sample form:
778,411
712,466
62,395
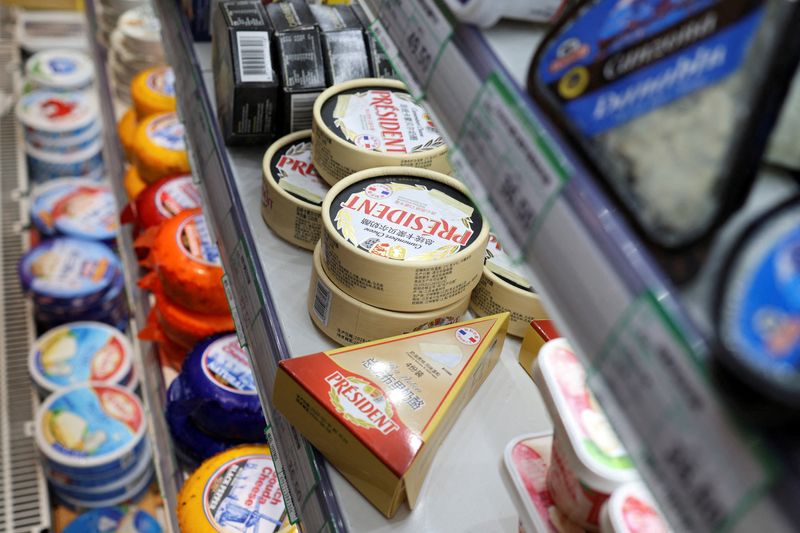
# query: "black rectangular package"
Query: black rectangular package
299,61
245,82
344,49
379,64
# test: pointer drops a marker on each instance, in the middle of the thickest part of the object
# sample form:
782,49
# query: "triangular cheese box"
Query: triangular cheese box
378,411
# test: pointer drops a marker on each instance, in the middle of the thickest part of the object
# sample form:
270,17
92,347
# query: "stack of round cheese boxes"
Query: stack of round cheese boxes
134,45
398,244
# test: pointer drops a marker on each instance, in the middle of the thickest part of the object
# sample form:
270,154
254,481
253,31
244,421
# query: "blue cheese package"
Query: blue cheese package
670,102
218,380
44,198
758,304
45,165
113,520
68,273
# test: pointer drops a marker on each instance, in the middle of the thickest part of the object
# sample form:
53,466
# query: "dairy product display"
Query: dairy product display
388,403
159,147
403,239
292,191
134,45
369,123
588,461
231,491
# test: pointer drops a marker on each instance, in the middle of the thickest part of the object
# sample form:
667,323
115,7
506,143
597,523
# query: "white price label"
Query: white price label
504,145
703,470
420,32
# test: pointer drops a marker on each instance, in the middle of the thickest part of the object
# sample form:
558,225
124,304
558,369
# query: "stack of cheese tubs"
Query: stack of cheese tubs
60,117
402,244
135,45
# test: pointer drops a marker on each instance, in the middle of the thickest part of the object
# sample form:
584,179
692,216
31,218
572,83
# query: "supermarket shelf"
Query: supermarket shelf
648,356
269,280
169,475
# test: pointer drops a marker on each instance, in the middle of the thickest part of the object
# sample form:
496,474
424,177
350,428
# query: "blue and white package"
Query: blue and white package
102,520
91,430
132,496
44,166
60,70
68,272
57,115
189,440
45,196
90,212
113,300
671,102
65,145
218,377
80,352
759,310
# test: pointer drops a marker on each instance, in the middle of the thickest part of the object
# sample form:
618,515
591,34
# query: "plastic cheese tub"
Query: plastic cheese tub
218,376
60,70
631,509
68,272
188,264
80,352
369,123
233,491
88,212
65,145
114,520
165,198
588,461
153,91
160,148
45,165
403,239
45,196
57,116
91,430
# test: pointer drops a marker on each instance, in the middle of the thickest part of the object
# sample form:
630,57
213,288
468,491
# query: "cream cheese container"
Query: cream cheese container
90,430
80,352
588,461
292,191
52,115
140,29
48,165
403,239
369,123
347,321
502,288
379,411
59,70
631,509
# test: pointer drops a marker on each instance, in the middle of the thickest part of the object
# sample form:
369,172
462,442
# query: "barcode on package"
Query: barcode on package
322,302
300,109
255,64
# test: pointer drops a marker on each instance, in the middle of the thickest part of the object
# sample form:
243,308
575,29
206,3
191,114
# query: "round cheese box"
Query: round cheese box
369,123
292,191
403,239
60,70
160,148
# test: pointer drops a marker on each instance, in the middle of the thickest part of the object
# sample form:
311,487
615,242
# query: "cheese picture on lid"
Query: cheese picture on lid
421,227
378,411
293,190
46,196
631,509
89,212
80,352
234,491
373,122
503,288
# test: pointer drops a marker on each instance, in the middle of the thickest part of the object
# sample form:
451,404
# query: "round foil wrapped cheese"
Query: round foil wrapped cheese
369,123
153,91
185,327
403,239
159,147
165,198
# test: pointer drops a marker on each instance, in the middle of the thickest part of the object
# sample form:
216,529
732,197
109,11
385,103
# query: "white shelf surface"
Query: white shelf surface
467,488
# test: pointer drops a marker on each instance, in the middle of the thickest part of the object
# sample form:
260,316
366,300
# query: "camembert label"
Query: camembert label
391,393
381,120
406,218
292,169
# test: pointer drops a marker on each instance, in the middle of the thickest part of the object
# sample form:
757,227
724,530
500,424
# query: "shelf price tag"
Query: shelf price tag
418,32
514,158
704,471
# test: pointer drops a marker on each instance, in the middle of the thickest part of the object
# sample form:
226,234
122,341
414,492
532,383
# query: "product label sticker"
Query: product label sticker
388,393
227,366
167,132
381,120
74,354
69,268
243,495
195,241
92,421
177,195
406,219
585,421
619,59
764,320
292,168
162,81
498,262
89,212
